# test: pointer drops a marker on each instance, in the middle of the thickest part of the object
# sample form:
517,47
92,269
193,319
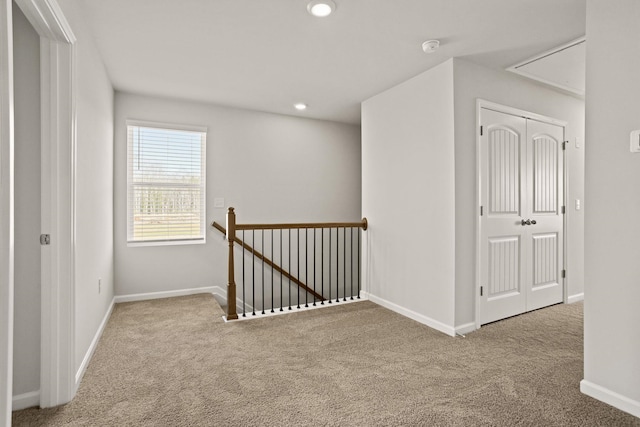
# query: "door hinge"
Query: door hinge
564,273
564,210
481,289
481,130
45,239
481,210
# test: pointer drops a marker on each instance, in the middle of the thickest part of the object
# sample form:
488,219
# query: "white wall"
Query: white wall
94,186
471,82
26,348
408,196
612,241
271,168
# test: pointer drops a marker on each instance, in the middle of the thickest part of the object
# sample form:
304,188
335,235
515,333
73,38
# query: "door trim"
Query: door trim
480,104
58,139
6,211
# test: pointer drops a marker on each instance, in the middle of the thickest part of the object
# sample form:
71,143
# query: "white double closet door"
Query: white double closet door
521,226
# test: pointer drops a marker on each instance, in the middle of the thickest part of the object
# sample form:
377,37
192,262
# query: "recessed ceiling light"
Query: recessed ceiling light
430,46
300,106
321,8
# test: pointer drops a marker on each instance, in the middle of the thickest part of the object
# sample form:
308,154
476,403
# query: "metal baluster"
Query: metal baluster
298,258
289,265
344,263
337,265
263,254
330,302
306,266
273,258
253,270
351,262
244,311
322,265
281,304
359,283
314,267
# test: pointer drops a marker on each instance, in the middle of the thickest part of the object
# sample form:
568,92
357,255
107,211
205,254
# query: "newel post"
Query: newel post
231,285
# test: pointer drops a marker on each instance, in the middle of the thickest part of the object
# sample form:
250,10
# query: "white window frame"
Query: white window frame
173,127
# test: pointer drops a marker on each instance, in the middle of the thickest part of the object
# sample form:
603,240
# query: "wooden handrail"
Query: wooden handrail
268,261
362,224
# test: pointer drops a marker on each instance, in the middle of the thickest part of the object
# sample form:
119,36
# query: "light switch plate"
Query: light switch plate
218,202
635,141
578,142
578,204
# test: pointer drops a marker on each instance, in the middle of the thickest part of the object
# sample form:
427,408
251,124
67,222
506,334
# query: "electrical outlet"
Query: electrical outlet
99,284
218,202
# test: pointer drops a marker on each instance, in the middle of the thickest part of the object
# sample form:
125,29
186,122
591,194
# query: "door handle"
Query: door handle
525,222
533,222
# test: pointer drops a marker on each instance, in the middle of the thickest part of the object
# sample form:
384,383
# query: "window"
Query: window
165,183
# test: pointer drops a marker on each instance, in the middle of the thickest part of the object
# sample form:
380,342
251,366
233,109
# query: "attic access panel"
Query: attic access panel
562,67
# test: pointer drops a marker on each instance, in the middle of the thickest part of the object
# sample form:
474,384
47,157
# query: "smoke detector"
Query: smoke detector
430,46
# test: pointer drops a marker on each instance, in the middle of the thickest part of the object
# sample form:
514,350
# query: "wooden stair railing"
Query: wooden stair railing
267,261
231,237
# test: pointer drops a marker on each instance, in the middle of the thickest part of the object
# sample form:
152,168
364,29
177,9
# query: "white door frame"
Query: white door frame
58,141
6,211
480,104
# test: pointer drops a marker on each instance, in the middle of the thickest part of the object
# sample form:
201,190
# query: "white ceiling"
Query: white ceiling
268,54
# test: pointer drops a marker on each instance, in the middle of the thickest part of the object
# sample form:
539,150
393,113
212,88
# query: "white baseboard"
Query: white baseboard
216,290
466,328
93,345
575,298
439,326
610,397
26,400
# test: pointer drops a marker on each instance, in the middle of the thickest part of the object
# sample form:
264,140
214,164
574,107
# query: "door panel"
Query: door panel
546,236
504,171
521,180
504,267
545,174
503,147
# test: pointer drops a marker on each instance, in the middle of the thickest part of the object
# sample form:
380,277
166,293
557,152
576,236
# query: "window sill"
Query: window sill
166,243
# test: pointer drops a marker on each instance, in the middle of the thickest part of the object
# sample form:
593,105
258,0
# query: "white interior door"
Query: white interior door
545,236
521,237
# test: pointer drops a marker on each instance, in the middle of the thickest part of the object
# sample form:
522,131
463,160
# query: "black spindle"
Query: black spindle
314,267
337,264
273,258
322,265
351,260
306,266
253,271
330,248
263,254
289,265
359,283
244,311
344,263
281,263
298,259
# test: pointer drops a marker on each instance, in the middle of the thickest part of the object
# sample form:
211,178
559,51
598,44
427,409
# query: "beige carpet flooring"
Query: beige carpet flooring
173,362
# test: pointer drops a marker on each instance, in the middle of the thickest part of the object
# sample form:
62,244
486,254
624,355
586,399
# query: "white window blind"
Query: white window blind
165,183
